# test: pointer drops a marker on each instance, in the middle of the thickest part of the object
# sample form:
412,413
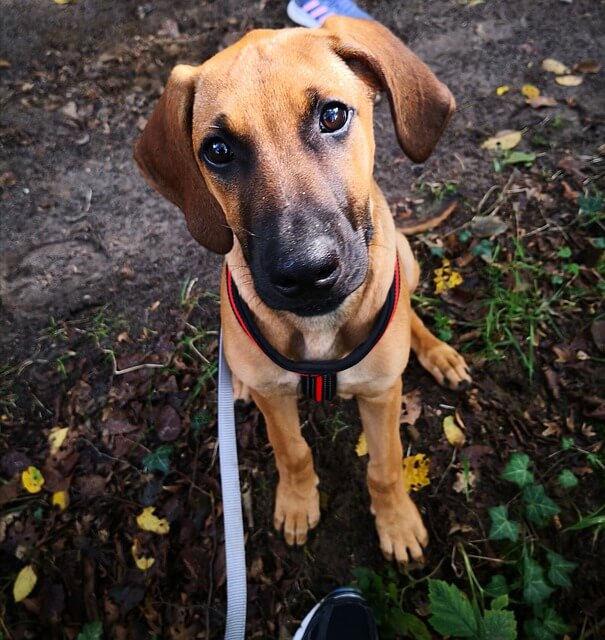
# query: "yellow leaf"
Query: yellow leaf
569,81
32,480
362,445
503,140
529,91
24,583
416,472
62,1
148,522
61,499
142,562
446,278
500,91
56,438
453,432
554,66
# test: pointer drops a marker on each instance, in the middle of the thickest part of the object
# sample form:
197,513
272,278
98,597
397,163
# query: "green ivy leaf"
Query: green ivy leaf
559,569
91,631
517,470
158,460
538,506
451,612
496,587
534,630
567,479
499,625
553,622
502,528
535,589
409,625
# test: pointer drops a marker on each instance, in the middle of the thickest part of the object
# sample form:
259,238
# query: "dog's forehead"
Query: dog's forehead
273,66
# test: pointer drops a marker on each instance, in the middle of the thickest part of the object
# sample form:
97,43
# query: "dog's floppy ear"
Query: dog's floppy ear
420,105
165,155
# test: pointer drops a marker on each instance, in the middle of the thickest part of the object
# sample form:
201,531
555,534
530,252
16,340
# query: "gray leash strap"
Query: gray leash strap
235,551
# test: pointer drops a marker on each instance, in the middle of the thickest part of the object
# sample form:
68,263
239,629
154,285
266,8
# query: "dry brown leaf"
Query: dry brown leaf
413,407
554,66
464,481
5,64
587,66
569,81
541,101
507,139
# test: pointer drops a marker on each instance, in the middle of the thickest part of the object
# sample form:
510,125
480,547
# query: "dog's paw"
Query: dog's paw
402,534
295,512
447,366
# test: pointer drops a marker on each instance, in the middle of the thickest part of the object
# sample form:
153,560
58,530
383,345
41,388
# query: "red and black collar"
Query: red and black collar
318,377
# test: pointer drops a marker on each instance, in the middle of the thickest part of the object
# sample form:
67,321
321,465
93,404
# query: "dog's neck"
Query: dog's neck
335,334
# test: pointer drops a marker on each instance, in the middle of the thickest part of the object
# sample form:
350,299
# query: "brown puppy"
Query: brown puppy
268,149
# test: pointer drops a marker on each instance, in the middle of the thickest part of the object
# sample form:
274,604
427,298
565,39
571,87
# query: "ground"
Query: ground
98,274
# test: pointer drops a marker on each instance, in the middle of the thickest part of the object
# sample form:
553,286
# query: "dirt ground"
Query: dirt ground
98,273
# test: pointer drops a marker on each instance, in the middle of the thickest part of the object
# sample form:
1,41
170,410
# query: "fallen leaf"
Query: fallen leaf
552,429
569,193
507,139
446,278
500,91
554,66
56,438
464,481
5,64
154,306
454,434
416,472
486,226
530,91
142,562
413,407
541,101
569,81
24,583
60,499
597,331
32,480
587,66
361,449
149,522
62,1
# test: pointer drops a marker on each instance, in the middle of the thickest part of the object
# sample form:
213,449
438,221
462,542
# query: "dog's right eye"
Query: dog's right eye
216,151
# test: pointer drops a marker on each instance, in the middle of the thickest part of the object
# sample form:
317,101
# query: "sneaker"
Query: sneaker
342,615
312,13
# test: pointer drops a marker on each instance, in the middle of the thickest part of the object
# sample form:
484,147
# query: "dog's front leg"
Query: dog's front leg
399,525
297,498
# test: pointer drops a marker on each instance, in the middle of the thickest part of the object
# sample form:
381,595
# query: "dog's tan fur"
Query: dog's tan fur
260,87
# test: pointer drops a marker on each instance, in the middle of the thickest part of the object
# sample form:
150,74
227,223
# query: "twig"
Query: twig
136,367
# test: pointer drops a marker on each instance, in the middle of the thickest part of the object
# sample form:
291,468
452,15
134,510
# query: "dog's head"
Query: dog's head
272,140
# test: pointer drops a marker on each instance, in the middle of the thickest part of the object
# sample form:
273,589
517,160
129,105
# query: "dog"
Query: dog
268,149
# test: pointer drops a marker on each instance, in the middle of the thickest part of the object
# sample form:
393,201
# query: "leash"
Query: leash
235,551
318,377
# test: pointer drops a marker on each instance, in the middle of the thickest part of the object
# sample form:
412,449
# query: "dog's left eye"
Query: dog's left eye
333,117
217,151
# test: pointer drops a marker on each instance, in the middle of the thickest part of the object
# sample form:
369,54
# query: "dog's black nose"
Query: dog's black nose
311,272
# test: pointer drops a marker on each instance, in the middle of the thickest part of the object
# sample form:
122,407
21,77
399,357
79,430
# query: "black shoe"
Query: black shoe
341,615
